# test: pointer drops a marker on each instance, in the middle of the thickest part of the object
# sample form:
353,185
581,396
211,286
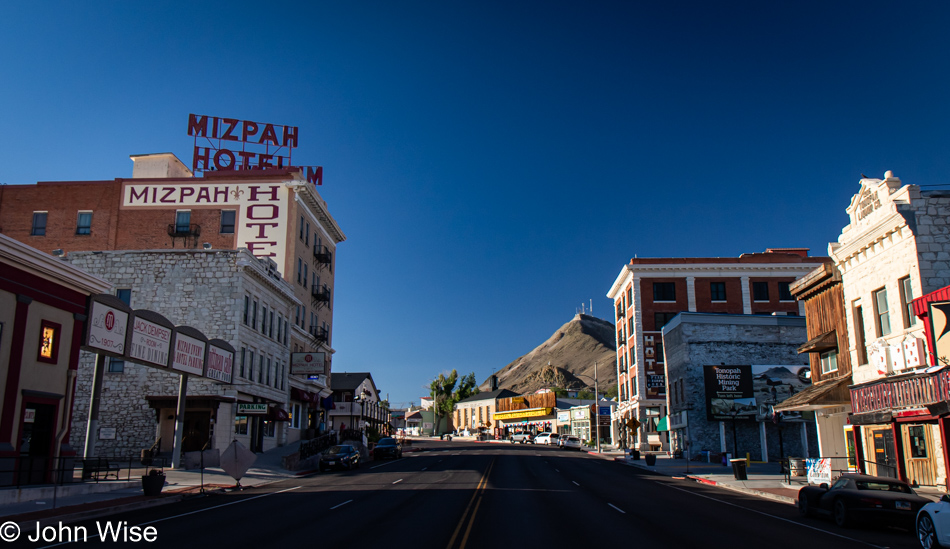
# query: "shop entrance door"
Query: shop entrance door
918,451
36,445
197,431
882,457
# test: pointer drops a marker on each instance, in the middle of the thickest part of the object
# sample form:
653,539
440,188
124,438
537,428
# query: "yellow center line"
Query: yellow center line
482,483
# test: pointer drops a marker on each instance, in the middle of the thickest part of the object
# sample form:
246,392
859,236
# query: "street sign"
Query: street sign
603,420
604,410
251,409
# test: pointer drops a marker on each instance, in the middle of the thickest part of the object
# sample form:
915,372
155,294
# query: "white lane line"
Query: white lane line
387,463
557,470
617,508
398,481
195,512
341,505
772,516
424,468
575,482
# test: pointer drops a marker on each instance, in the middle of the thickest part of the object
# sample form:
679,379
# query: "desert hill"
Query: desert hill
571,352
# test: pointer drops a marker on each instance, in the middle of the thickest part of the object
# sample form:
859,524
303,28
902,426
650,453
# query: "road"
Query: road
458,495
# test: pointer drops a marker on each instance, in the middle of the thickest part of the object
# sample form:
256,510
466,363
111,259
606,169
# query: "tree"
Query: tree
447,390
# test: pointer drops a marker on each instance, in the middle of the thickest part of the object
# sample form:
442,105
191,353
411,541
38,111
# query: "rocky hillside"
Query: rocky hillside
572,352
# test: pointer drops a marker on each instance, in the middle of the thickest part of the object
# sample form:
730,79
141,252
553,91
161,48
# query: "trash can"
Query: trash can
738,469
651,460
635,455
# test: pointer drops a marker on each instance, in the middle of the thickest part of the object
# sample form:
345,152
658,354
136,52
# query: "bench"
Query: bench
99,468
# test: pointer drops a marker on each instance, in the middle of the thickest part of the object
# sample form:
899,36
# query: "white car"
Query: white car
570,442
546,438
933,524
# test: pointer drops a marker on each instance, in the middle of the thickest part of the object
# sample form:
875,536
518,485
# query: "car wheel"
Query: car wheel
803,508
356,464
926,533
841,513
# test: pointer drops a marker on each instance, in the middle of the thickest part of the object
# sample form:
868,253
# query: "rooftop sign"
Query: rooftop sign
271,146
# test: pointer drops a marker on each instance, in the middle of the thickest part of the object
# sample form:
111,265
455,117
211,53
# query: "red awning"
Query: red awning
304,396
275,413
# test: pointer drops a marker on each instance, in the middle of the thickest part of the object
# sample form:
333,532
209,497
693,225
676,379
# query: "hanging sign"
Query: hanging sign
150,338
189,355
107,326
220,363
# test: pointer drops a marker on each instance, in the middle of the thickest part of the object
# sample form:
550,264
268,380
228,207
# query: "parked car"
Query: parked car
933,524
341,456
387,448
546,438
570,442
854,497
522,437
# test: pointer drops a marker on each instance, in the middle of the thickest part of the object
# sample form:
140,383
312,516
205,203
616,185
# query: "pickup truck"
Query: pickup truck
521,438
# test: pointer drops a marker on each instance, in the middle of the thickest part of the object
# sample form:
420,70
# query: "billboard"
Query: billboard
738,392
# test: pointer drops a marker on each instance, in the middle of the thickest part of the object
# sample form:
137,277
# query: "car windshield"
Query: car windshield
884,486
386,442
338,450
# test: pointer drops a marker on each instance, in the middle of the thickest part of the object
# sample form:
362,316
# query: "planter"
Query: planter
152,484
651,459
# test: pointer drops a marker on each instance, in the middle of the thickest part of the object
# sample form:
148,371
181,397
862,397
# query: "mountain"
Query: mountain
571,352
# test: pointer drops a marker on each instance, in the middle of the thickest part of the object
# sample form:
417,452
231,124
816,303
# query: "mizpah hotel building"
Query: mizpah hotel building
247,256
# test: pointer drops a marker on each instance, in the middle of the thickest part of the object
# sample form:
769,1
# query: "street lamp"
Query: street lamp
596,405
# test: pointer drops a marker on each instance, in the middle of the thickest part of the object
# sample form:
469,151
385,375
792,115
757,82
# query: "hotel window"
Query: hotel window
254,315
267,377
227,221
301,227
243,358
264,319
659,351
907,299
829,362
299,269
183,221
785,291
270,329
84,223
760,291
717,291
661,319
664,291
279,326
260,369
39,224
305,274
49,342
882,316
306,238
859,340
247,308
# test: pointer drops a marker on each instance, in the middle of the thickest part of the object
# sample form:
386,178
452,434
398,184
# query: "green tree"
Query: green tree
447,390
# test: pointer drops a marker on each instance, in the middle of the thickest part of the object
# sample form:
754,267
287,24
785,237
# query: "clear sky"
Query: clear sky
494,164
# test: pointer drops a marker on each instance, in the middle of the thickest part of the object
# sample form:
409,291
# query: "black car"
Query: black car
855,497
341,456
387,448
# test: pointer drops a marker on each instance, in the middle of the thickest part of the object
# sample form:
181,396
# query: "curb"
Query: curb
30,525
741,489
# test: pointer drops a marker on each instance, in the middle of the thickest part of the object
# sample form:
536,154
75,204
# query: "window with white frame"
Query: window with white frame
829,362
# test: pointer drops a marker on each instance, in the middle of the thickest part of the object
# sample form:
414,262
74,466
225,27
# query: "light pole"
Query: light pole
596,406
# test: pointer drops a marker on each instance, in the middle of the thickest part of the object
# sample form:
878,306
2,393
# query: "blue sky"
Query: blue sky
495,164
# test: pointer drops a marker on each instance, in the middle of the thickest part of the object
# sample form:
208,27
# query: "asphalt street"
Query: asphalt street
461,494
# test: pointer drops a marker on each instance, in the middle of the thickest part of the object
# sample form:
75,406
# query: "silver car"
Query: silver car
570,442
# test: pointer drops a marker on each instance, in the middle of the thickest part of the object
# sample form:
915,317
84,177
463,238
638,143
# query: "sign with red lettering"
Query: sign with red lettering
220,364
150,343
107,327
308,363
189,355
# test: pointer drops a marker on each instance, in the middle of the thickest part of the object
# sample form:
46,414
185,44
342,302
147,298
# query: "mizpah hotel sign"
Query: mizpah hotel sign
262,208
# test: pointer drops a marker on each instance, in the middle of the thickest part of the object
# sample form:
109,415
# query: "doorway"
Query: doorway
882,459
36,443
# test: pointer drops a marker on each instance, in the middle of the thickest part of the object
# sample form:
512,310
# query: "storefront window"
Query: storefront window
240,425
270,428
918,442
852,454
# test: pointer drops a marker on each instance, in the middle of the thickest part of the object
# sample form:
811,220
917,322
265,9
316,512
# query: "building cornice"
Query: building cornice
893,223
29,259
308,196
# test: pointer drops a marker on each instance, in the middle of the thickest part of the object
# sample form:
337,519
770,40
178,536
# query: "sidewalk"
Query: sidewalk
87,500
764,479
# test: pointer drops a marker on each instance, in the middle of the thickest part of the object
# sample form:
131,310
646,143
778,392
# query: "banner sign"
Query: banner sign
251,409
819,470
308,363
189,356
518,414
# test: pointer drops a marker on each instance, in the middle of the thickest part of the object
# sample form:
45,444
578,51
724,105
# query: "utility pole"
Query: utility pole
597,406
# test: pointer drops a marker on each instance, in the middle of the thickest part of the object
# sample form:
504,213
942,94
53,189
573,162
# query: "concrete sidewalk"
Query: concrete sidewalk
85,500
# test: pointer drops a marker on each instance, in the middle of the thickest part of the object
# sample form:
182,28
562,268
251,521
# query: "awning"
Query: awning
275,413
304,396
824,342
824,394
664,424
